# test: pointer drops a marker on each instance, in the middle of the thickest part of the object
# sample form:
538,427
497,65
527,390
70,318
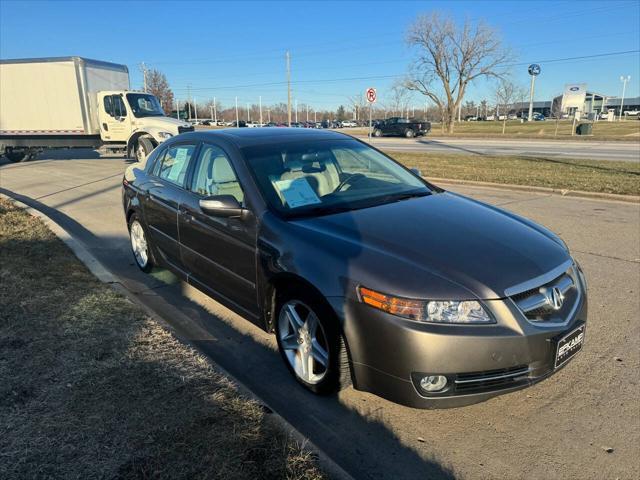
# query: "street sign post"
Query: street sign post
372,96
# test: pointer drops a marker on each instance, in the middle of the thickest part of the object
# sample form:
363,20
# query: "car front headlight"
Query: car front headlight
164,135
429,311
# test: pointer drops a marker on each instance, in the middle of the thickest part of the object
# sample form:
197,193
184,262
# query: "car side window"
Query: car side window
214,175
119,110
174,164
108,105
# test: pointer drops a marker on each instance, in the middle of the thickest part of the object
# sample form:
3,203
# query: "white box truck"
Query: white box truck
73,102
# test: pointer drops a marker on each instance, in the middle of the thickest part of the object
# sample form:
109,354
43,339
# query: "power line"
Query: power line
376,77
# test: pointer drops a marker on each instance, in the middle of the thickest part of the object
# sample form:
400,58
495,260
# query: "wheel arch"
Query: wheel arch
133,139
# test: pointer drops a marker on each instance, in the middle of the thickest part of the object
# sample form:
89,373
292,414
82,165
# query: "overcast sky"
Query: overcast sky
225,49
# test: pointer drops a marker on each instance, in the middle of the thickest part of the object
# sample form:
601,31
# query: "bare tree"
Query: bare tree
399,97
556,112
358,104
506,94
157,85
449,57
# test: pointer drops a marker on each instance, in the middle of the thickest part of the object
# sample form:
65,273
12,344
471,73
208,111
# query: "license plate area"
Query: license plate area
569,345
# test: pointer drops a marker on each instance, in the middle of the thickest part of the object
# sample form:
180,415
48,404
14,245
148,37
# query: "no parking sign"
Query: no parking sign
371,95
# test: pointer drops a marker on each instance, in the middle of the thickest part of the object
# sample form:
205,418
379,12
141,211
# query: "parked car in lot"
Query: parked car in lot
399,126
349,123
364,271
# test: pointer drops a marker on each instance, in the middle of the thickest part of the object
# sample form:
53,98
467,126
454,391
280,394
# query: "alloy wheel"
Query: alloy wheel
139,244
304,341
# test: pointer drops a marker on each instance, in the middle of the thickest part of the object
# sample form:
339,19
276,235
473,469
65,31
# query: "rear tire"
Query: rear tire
310,342
377,132
18,155
409,133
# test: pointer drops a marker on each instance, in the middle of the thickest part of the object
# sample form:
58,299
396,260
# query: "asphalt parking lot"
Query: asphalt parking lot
581,423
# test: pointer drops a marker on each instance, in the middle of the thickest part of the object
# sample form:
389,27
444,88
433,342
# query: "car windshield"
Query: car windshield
328,176
144,105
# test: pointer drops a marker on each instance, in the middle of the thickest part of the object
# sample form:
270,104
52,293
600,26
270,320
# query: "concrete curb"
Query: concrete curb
552,191
104,275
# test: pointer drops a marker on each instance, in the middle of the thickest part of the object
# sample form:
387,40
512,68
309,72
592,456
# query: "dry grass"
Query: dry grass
93,388
587,175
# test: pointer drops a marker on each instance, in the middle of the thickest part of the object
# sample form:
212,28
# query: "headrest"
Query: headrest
222,171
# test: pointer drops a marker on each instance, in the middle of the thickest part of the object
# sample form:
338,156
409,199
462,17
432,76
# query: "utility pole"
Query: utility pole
315,117
211,111
237,118
296,110
624,81
177,109
289,87
248,113
189,97
195,107
215,112
143,68
307,112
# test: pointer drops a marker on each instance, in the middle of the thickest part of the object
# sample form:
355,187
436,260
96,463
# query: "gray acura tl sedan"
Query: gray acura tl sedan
365,272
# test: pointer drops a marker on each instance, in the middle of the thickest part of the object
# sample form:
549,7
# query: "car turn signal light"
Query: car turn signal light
403,307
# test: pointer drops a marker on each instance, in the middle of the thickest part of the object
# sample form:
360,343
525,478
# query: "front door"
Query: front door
219,253
115,121
163,197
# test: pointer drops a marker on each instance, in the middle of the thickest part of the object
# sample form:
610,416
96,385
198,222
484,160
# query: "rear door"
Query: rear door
219,253
163,196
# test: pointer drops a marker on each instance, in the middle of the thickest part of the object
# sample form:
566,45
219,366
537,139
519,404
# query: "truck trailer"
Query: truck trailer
74,102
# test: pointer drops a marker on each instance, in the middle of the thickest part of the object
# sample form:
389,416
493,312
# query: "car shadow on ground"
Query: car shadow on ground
70,154
444,145
363,445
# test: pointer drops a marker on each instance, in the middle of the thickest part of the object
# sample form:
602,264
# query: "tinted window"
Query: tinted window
108,105
174,164
119,110
214,175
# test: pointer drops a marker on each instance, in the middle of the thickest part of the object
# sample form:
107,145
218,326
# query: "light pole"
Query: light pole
624,81
248,114
237,117
215,112
296,110
260,103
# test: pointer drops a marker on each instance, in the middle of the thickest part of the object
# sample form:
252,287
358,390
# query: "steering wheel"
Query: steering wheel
356,177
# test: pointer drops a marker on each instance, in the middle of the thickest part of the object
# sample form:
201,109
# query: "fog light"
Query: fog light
433,383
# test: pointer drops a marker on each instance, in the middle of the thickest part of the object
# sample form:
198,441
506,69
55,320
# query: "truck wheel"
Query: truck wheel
377,132
144,147
409,133
18,155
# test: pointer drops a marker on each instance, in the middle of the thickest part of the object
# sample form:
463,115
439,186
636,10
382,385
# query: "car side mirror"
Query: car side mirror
416,171
221,206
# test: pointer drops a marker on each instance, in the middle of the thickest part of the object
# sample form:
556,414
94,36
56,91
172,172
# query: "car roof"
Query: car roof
245,137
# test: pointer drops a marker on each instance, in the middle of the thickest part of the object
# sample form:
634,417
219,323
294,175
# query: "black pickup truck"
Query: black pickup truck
400,126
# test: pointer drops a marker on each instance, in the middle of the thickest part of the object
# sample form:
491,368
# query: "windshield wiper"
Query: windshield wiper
396,197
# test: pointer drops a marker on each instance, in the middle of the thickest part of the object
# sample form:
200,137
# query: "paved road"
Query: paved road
621,151
556,429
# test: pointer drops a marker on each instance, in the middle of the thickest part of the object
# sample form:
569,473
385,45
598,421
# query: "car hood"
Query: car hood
426,246
163,122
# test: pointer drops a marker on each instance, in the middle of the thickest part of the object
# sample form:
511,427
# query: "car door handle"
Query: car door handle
106,127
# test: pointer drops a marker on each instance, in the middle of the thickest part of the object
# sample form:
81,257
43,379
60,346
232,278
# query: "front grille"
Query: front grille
491,380
185,129
539,305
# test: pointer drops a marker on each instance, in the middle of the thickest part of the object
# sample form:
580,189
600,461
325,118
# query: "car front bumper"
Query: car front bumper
390,354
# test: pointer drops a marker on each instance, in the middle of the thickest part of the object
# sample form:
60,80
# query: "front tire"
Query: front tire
144,147
377,132
409,133
140,246
310,343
